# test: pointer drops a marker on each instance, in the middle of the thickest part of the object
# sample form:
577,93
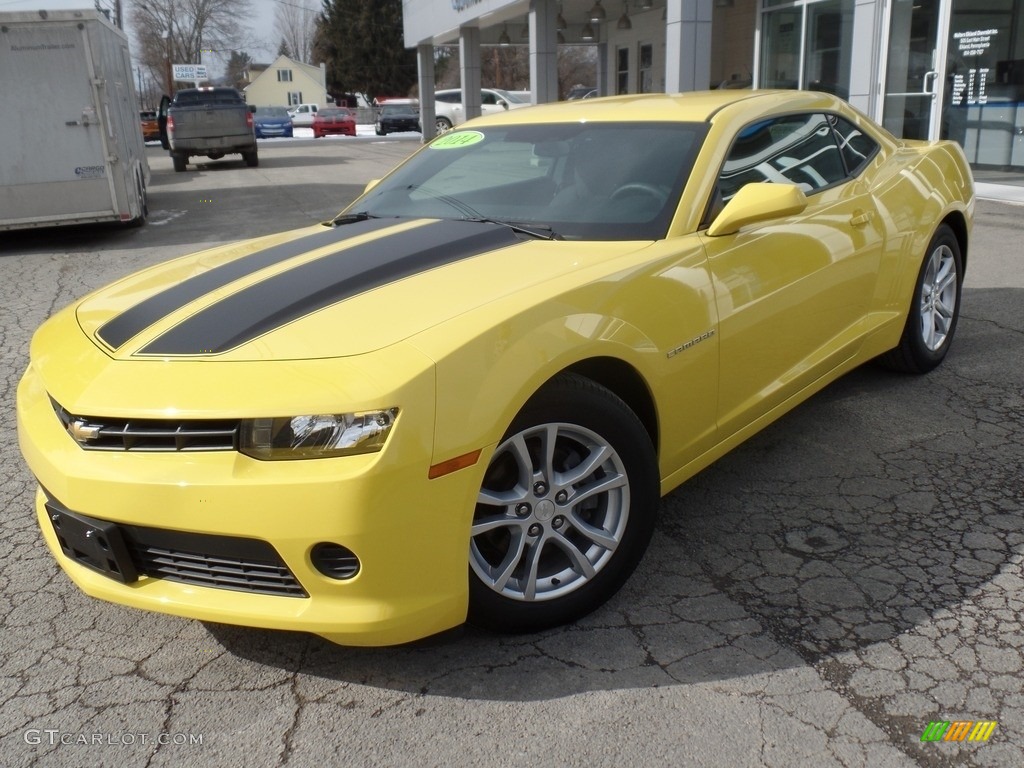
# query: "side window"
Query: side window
795,149
487,97
856,146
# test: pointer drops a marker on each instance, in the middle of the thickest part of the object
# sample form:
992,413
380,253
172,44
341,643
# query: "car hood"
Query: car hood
324,292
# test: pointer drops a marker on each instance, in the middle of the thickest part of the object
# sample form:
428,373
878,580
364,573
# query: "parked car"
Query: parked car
449,112
334,120
395,118
581,92
272,121
464,396
302,114
150,126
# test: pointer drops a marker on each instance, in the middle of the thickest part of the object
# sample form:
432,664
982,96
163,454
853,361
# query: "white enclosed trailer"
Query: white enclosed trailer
71,147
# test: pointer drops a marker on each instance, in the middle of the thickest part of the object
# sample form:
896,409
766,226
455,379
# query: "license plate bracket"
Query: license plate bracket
96,544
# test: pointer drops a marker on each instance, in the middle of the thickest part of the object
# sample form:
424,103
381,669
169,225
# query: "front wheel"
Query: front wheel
934,309
442,125
566,510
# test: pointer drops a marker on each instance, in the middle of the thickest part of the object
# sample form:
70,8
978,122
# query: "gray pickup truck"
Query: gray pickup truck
207,121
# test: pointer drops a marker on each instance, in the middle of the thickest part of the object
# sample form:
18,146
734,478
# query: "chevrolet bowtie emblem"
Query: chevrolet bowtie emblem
82,431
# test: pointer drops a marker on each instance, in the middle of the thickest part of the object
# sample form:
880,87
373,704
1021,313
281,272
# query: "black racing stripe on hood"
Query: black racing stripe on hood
120,329
280,299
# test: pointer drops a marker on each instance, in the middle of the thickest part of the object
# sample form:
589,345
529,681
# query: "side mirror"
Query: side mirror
252,108
370,185
503,103
755,203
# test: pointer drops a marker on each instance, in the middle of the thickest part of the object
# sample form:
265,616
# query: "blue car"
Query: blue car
272,122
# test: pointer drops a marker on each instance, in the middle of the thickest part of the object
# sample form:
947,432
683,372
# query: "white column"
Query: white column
687,45
543,51
425,68
469,69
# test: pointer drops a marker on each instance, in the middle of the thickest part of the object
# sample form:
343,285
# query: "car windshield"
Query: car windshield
400,111
271,112
583,180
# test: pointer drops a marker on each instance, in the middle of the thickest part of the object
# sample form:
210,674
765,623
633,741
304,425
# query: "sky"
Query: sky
261,24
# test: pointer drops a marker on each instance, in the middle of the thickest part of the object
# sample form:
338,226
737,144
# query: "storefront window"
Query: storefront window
808,46
780,49
829,47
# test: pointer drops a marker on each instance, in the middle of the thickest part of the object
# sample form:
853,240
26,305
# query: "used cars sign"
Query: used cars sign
190,72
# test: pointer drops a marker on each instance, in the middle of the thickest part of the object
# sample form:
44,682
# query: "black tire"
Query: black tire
252,159
381,131
585,545
442,125
180,161
934,308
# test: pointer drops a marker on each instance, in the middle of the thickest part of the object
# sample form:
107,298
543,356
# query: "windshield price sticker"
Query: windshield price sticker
457,140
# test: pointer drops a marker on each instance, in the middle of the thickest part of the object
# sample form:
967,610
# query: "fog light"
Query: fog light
334,561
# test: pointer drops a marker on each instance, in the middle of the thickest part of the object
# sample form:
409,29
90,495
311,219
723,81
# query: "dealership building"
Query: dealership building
923,68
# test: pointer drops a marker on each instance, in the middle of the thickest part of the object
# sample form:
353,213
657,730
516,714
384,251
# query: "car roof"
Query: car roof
696,106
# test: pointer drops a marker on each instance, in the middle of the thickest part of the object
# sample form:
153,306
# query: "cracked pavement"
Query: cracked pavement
814,598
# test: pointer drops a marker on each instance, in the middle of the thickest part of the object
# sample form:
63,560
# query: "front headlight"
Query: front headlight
316,436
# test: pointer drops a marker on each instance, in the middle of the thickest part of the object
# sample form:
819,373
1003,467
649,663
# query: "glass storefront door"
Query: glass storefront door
955,70
913,68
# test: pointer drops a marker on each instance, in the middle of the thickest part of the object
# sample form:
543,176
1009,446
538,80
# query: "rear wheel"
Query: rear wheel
934,309
180,161
566,510
252,159
443,124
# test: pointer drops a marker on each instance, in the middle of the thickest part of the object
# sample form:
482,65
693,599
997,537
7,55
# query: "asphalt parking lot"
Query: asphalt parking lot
816,598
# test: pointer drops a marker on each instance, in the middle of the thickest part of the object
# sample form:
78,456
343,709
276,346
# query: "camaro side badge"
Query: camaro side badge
82,431
692,342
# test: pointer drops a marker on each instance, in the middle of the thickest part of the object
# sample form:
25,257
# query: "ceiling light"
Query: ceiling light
504,39
597,14
587,33
624,22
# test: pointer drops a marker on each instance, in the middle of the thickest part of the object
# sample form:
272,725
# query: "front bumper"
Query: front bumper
272,131
410,534
334,130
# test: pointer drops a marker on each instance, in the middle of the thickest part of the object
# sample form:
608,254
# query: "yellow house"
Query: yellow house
287,83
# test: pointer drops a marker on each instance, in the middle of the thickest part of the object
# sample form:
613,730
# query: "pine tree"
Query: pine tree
362,45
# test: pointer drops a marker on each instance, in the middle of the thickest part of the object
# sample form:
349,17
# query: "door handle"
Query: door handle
861,218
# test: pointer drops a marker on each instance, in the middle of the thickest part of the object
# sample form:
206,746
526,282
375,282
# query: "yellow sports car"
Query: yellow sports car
463,397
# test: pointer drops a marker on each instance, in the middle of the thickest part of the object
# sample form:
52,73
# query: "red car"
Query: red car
334,120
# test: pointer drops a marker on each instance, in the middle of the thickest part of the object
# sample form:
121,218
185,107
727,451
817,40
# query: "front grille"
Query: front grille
104,434
225,562
125,552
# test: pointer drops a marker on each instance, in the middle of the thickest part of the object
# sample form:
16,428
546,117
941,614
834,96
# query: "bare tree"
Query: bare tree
179,31
295,24
577,65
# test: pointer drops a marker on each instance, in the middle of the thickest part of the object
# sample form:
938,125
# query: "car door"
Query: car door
491,103
792,293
